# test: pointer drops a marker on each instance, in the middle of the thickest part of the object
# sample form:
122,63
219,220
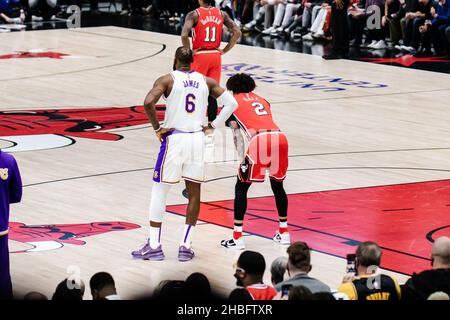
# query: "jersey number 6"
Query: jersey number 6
190,103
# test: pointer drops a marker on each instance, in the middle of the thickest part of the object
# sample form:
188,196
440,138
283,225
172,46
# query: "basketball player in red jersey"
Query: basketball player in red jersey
267,150
206,24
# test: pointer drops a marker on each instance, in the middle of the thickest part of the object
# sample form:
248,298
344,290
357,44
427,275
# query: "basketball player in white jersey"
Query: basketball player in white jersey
182,145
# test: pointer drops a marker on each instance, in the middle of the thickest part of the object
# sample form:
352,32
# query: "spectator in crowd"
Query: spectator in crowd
359,17
298,267
412,23
399,19
274,13
391,20
42,10
240,294
439,296
35,296
319,17
421,286
11,11
278,270
300,293
170,290
103,287
258,20
339,30
249,272
197,287
433,31
68,290
323,296
291,11
10,192
368,283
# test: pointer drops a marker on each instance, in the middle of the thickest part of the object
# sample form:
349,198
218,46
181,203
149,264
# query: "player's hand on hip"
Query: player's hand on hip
208,129
162,133
221,52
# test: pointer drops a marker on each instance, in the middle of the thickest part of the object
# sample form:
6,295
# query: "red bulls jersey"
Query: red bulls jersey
207,33
253,114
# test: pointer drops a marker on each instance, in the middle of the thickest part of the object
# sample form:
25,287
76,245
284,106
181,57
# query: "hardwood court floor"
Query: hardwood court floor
87,170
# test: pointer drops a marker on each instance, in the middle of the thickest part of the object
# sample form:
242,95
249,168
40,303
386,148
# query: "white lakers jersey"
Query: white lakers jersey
187,102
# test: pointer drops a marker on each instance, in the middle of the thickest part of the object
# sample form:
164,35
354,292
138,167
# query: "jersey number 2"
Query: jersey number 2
259,109
210,34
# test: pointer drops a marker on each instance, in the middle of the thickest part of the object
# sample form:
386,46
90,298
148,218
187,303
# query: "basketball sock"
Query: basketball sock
283,226
155,237
187,235
237,232
281,201
240,207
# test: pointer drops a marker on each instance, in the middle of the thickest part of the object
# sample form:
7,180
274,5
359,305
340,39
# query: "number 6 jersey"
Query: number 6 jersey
187,102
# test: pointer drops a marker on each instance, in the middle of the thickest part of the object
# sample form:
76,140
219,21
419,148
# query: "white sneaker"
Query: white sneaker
398,47
308,37
234,244
370,46
408,49
282,238
268,30
379,45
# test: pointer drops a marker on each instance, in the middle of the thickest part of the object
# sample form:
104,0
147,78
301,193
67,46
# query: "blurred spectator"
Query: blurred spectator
300,293
10,192
433,31
278,270
368,283
103,287
319,17
43,9
240,294
323,296
197,287
11,11
439,296
358,21
421,286
412,23
34,296
298,267
249,272
339,30
69,291
170,290
391,20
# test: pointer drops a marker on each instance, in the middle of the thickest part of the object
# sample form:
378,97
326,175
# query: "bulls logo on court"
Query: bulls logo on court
54,236
48,129
39,54
4,173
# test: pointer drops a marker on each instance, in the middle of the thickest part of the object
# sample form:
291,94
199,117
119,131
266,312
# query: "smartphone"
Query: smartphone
285,289
351,267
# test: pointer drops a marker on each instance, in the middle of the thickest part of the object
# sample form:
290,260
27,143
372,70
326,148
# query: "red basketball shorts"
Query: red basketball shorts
208,63
267,151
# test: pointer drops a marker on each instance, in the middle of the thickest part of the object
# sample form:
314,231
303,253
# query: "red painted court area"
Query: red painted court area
403,219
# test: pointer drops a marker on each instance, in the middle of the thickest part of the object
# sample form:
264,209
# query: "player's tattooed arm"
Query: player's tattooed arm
160,87
233,29
189,23
238,139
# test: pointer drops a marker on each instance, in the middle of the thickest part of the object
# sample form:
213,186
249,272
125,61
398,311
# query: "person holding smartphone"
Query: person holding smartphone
363,280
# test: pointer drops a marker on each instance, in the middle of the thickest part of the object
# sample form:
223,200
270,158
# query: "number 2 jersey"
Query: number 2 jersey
187,102
253,114
207,33
268,147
